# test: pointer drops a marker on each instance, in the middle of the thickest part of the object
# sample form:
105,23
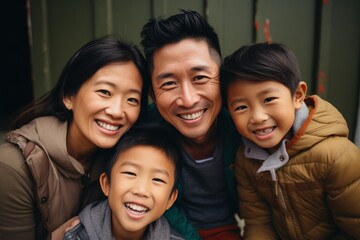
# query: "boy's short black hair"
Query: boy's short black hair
158,32
261,62
153,135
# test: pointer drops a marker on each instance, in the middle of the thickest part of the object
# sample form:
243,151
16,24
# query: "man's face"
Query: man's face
186,85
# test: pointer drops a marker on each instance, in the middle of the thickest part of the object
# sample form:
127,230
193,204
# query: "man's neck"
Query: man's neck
202,148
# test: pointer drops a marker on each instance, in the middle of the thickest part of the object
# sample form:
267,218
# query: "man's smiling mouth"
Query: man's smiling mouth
192,116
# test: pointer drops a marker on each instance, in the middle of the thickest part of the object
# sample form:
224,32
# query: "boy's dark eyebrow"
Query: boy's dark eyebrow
155,170
162,171
267,90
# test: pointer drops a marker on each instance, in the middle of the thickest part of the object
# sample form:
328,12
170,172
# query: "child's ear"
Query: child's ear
104,183
172,199
300,94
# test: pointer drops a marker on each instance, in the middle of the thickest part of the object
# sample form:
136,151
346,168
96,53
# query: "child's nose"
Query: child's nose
258,116
141,188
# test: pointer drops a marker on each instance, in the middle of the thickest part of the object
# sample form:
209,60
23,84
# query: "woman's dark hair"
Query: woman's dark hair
261,62
154,135
81,66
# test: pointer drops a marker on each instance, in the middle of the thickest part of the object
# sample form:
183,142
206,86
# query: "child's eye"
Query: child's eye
129,173
104,92
240,108
269,99
158,180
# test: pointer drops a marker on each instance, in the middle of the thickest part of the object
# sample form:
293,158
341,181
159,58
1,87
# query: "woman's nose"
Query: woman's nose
115,109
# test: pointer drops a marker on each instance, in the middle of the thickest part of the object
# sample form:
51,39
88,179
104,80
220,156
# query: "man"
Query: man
183,56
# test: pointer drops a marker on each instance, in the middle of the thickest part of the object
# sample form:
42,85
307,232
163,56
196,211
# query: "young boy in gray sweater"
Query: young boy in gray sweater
140,184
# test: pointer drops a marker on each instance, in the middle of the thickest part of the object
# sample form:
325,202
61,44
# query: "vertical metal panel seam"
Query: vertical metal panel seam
45,45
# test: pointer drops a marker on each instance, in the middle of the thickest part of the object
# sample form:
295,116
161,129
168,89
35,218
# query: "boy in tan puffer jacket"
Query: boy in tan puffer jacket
298,174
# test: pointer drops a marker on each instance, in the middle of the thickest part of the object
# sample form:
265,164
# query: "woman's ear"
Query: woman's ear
172,199
104,183
300,94
68,102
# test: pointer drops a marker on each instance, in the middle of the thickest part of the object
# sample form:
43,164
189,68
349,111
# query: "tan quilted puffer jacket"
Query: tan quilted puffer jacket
317,192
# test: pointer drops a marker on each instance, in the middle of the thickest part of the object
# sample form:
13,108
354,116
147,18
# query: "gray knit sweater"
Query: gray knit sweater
96,224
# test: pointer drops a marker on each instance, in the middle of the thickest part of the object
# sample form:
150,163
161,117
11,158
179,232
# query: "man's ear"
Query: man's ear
300,94
172,199
104,183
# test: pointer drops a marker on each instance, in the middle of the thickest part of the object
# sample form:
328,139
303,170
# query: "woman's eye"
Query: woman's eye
104,92
158,180
134,101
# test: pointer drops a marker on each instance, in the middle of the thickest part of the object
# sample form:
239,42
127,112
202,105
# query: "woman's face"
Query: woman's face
104,108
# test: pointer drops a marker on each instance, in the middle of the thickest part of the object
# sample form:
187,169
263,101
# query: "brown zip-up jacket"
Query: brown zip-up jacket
41,186
316,194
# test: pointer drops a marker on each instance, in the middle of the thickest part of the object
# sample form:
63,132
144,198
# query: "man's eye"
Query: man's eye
201,77
168,84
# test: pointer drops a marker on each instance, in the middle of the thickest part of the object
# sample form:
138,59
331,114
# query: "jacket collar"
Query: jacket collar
49,133
274,161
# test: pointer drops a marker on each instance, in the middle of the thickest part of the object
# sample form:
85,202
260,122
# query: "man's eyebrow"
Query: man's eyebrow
200,68
193,69
164,75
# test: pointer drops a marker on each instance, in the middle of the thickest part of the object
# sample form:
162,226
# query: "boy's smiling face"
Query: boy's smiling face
263,111
140,189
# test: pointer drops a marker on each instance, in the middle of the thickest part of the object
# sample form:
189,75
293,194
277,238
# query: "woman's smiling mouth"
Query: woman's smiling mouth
107,126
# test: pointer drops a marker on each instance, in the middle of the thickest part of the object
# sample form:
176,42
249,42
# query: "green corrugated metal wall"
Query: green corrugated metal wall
324,35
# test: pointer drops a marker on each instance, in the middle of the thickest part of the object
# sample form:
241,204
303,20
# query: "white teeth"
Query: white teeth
264,132
136,209
107,126
192,116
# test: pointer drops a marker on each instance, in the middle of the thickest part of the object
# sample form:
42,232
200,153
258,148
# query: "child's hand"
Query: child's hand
58,234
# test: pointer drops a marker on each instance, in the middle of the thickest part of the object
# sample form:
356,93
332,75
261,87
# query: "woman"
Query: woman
49,165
